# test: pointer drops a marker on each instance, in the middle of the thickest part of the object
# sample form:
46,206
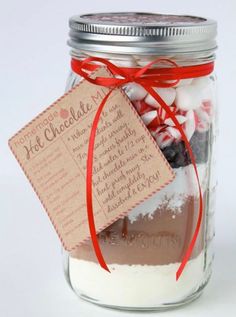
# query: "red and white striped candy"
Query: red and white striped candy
163,129
141,106
174,132
189,125
164,136
181,119
208,107
168,133
151,120
164,115
203,116
155,118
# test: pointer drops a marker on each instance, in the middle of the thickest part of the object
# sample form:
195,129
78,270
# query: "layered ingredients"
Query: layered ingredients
145,249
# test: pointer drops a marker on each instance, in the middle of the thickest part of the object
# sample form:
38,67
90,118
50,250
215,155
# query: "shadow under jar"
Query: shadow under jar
145,249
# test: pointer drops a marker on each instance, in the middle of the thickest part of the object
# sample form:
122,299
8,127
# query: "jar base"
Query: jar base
160,307
163,307
137,287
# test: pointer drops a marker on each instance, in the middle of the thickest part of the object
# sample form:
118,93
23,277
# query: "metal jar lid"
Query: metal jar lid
142,33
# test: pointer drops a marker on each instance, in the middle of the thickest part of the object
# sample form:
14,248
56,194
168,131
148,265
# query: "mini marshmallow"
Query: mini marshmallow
188,97
184,82
205,87
167,94
135,91
201,81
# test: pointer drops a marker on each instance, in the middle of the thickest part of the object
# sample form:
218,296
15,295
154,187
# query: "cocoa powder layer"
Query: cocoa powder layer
157,240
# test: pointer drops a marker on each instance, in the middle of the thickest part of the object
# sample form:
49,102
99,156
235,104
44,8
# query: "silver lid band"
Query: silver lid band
142,33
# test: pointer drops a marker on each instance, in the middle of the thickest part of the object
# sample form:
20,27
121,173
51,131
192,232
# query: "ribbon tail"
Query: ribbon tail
189,251
89,184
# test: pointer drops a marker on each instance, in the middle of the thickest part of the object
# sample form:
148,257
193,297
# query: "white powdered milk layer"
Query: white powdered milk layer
136,285
174,195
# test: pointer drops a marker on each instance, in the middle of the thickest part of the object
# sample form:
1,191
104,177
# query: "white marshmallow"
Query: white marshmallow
201,81
184,82
135,91
205,87
188,97
167,94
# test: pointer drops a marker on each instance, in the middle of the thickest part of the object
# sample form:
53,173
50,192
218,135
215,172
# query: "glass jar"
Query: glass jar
145,249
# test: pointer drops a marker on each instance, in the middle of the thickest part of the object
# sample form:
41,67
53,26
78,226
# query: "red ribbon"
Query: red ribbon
148,78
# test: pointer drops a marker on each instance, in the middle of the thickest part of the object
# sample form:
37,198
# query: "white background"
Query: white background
34,63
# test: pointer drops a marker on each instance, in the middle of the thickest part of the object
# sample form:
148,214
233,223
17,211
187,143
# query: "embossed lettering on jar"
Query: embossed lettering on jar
144,250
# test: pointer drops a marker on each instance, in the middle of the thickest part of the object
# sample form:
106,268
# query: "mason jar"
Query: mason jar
145,249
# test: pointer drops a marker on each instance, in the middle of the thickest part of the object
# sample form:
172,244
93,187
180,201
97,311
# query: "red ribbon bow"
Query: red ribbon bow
148,78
